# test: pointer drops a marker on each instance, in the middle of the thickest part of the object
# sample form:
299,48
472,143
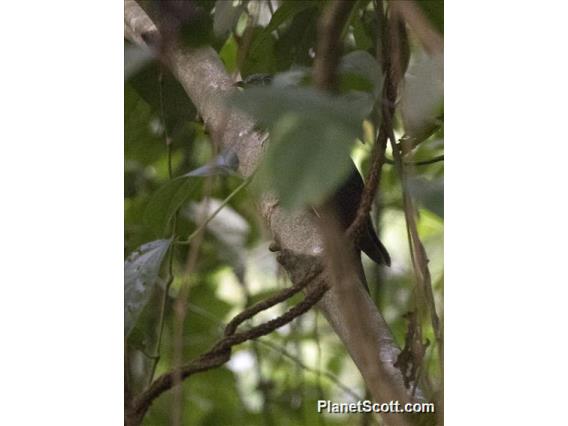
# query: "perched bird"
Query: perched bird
344,203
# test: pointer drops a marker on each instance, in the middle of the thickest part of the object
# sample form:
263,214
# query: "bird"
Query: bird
344,203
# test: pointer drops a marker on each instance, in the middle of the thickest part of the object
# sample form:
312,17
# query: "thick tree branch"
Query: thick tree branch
366,335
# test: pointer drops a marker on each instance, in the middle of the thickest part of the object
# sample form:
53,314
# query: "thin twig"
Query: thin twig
215,213
433,160
168,143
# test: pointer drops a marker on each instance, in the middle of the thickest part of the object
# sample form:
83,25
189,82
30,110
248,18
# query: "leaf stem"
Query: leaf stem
215,213
433,160
156,356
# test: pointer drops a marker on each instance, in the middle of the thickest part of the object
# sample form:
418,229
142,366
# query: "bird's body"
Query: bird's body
345,203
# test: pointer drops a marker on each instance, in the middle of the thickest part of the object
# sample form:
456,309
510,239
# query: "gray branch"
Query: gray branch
348,309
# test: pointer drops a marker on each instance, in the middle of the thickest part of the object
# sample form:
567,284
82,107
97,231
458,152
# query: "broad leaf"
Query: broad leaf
307,160
226,16
308,104
296,42
141,271
228,227
141,143
422,96
168,95
434,11
294,77
166,201
362,39
287,11
429,193
311,138
362,64
135,58
260,57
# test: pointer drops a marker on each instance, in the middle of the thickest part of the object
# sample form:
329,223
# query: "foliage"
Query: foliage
171,171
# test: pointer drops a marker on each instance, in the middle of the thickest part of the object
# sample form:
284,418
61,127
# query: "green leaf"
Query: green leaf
228,227
177,107
226,16
362,64
422,97
260,57
141,271
197,30
345,112
311,139
135,58
296,43
166,201
287,11
362,39
434,11
228,54
141,144
307,160
293,77
429,193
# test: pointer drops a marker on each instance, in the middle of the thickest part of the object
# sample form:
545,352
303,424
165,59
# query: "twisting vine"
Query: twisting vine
221,351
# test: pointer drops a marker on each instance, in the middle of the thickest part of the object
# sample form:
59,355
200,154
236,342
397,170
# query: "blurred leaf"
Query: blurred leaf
223,405
287,11
260,57
177,106
259,296
198,30
294,77
141,270
166,201
362,39
358,71
422,97
228,227
141,144
135,58
170,197
311,138
430,193
354,82
202,331
296,44
305,103
226,16
362,64
228,54
434,11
